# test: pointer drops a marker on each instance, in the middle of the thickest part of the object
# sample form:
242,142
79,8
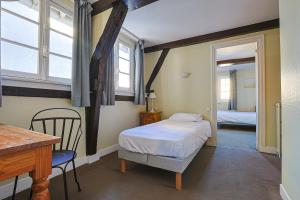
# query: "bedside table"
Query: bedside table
149,117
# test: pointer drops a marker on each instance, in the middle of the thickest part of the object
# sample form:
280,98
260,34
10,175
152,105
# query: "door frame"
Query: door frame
260,88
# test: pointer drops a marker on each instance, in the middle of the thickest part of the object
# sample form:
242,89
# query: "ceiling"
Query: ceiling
169,20
235,52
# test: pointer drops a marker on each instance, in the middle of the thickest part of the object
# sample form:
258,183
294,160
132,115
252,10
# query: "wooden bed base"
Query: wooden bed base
178,183
244,127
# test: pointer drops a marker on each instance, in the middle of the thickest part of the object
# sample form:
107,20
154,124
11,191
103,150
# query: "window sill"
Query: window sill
47,93
124,93
34,83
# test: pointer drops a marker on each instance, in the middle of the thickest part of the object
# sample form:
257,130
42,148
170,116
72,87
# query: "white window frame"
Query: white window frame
42,78
131,44
220,85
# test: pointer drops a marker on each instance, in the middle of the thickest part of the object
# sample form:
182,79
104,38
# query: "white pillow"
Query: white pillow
186,117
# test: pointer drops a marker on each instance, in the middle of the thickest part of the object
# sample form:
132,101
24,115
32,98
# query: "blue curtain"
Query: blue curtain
139,88
108,93
81,53
232,104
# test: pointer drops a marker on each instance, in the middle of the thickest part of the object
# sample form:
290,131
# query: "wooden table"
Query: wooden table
24,151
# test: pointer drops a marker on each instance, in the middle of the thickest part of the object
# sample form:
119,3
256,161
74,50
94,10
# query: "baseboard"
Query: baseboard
25,183
284,194
268,149
102,152
109,150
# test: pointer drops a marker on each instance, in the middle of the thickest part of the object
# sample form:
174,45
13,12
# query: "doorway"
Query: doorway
238,94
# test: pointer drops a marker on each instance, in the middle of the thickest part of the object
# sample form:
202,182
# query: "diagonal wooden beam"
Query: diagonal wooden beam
156,69
102,5
97,66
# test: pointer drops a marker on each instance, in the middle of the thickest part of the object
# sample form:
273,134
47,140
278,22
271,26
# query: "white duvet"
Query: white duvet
166,138
237,117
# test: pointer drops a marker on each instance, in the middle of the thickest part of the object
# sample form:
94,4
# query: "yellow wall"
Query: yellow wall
246,97
290,62
193,94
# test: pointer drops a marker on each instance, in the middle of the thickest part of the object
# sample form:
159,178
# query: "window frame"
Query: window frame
42,78
18,75
131,44
221,91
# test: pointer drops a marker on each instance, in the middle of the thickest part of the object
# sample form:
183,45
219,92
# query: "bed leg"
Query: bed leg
178,181
123,166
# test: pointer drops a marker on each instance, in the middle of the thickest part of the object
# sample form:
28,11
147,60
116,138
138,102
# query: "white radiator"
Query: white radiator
278,127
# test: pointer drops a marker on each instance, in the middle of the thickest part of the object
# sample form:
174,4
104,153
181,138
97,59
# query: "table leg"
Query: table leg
40,189
41,172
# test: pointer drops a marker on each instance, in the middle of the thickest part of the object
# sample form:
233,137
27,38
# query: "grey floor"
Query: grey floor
236,139
215,174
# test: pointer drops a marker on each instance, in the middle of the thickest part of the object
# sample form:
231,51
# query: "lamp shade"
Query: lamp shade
152,95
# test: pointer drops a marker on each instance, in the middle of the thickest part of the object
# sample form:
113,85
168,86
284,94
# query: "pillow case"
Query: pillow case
186,117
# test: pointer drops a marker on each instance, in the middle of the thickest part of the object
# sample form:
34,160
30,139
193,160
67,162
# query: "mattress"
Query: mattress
236,117
169,138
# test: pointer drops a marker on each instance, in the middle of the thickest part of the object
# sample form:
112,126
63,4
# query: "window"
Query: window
124,70
60,40
20,37
224,88
36,41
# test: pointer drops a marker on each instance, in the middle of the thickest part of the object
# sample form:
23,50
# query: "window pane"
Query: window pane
61,22
60,44
124,51
19,30
18,58
225,88
27,8
60,67
124,66
124,80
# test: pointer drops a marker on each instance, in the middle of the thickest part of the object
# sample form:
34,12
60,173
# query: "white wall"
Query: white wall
290,72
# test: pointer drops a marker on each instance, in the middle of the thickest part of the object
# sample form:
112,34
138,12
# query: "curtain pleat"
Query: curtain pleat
232,104
81,53
108,93
139,89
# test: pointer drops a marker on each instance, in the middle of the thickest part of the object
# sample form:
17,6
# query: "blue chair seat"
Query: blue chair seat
61,157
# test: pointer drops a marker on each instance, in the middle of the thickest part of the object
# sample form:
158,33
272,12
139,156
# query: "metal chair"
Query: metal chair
69,121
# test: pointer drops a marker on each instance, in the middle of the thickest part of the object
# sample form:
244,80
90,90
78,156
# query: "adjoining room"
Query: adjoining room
237,96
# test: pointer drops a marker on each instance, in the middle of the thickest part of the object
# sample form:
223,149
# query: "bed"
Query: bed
169,144
236,119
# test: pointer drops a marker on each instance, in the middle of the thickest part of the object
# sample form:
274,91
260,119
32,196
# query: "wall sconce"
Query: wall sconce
185,75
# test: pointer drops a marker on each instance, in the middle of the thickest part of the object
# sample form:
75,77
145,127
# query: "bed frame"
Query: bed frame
168,163
236,126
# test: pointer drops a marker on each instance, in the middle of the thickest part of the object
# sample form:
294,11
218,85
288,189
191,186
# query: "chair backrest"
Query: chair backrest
62,122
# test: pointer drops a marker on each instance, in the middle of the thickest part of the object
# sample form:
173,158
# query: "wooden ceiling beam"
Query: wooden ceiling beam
97,67
216,36
136,4
154,73
237,61
102,5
